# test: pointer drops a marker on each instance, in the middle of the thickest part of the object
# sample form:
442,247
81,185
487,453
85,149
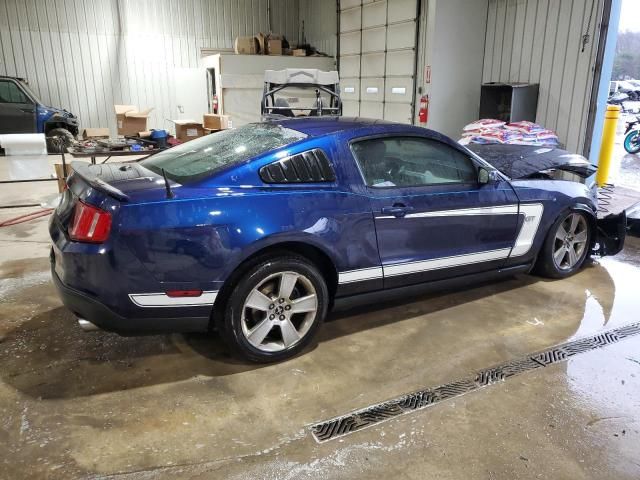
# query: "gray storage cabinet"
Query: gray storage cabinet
509,102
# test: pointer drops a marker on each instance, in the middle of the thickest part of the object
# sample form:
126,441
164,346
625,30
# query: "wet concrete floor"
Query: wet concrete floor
96,405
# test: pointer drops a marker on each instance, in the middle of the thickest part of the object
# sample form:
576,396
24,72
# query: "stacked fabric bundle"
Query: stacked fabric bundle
490,131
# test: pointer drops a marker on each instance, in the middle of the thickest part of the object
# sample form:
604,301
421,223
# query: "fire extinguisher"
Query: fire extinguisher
215,103
423,113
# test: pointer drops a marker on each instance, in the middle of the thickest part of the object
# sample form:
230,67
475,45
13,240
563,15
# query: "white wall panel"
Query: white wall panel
374,14
86,55
374,39
401,35
350,66
539,41
320,23
454,53
372,65
401,10
380,56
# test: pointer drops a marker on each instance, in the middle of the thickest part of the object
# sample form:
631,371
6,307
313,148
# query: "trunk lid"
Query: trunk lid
127,182
107,186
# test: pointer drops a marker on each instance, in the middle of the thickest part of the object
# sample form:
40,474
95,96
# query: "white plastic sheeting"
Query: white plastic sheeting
24,144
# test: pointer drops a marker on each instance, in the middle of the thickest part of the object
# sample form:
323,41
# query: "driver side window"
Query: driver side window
411,161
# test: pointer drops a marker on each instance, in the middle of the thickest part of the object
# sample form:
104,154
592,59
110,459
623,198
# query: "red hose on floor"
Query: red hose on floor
26,218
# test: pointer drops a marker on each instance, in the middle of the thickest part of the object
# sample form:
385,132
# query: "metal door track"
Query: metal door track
380,412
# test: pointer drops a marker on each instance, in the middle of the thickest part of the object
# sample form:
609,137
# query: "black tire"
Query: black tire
632,142
59,140
230,325
546,265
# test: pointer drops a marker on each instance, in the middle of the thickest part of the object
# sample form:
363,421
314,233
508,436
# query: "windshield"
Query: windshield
197,159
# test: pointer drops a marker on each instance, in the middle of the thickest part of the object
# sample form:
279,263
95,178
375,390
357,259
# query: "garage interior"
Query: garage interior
541,377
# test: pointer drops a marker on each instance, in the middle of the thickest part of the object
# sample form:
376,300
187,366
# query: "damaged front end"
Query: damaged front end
610,234
633,220
535,162
527,162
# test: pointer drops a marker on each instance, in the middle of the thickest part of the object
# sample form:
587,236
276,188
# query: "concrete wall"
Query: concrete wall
452,44
540,41
86,55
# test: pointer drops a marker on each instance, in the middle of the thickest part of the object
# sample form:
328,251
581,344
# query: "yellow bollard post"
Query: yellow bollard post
606,148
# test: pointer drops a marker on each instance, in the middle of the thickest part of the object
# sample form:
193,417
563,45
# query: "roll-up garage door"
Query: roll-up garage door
377,58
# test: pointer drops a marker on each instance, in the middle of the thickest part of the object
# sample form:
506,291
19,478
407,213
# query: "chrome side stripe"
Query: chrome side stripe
164,300
499,210
446,262
460,212
532,215
360,275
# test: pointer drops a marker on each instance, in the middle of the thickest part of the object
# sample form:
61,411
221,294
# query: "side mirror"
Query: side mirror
487,176
483,176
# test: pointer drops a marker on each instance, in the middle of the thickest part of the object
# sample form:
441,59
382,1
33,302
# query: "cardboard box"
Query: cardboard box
188,130
299,52
62,180
130,121
246,45
261,38
274,46
95,133
213,121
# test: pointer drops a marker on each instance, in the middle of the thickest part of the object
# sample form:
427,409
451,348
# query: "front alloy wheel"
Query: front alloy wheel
570,241
566,246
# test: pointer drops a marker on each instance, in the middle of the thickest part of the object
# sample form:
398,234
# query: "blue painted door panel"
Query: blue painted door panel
447,230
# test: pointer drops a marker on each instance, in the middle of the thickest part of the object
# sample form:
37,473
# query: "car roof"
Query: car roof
319,126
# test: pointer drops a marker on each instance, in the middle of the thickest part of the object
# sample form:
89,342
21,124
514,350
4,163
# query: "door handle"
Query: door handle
397,210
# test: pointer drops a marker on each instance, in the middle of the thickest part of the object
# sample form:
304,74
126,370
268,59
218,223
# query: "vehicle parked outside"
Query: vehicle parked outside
255,232
22,112
632,136
627,87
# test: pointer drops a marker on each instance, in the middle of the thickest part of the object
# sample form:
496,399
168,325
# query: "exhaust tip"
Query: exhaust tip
87,326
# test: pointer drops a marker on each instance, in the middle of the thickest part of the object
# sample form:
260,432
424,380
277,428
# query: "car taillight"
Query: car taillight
90,224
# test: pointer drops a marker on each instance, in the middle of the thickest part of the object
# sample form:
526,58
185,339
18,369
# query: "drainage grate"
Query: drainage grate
352,422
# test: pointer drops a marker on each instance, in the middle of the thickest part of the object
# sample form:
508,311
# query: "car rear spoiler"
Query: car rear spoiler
90,174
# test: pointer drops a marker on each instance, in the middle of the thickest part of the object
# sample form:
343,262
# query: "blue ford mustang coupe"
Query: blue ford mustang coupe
256,231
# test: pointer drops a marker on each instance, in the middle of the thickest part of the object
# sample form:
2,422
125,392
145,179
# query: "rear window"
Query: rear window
197,159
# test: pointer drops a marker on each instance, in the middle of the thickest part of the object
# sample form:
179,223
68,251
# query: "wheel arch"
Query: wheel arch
59,122
314,254
581,207
592,217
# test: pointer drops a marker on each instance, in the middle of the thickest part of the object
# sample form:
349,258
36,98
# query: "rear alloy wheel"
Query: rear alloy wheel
566,246
275,309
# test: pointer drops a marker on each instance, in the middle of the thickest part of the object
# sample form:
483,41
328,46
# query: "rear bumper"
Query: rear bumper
89,308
